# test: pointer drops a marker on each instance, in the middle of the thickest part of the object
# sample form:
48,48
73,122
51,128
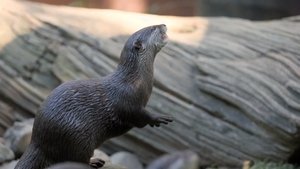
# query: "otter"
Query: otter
78,116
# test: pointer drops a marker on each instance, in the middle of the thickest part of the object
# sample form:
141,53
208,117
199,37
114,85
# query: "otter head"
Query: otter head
144,44
149,38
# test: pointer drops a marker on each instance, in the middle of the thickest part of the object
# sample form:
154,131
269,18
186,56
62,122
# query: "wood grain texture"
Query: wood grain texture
232,85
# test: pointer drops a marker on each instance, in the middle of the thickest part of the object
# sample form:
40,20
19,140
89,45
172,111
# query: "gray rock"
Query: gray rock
113,166
69,165
178,160
72,165
5,153
108,165
127,160
100,154
10,165
18,136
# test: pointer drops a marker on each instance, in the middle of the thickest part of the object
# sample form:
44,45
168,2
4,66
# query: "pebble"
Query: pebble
6,153
127,160
18,136
179,160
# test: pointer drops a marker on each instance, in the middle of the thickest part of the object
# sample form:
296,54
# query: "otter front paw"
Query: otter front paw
96,163
156,121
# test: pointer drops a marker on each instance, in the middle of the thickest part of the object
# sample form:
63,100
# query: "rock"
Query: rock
100,154
72,165
127,160
18,136
69,165
10,165
113,166
178,160
221,168
5,153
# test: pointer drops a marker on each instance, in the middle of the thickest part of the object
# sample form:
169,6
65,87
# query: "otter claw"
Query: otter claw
161,120
96,163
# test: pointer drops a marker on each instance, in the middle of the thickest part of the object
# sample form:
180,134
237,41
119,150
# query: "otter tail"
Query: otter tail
32,158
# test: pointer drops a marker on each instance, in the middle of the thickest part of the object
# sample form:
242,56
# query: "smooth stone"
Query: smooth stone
179,160
101,155
18,136
9,165
73,165
127,160
69,165
6,153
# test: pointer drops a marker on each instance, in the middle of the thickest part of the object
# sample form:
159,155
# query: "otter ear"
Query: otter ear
138,45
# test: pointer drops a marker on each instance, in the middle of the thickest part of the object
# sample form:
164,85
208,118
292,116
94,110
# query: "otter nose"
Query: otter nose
163,28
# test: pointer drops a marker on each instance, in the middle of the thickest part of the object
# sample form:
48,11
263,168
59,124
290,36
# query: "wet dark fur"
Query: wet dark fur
78,116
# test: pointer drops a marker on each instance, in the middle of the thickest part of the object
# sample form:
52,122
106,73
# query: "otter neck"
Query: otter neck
133,67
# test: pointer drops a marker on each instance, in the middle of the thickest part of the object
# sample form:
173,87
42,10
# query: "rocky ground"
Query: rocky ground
16,138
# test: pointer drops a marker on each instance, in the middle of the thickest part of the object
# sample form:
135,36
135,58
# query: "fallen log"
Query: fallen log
232,85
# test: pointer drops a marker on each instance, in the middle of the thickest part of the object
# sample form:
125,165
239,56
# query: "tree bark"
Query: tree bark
232,85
